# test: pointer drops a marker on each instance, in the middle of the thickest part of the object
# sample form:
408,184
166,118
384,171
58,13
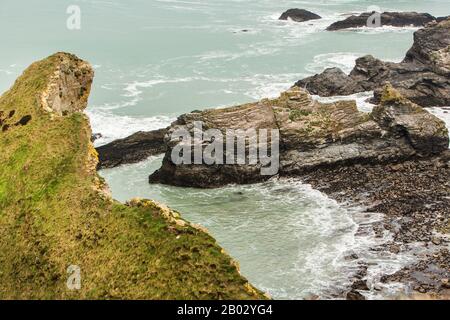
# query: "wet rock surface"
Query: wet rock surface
299,15
423,76
132,149
414,195
395,19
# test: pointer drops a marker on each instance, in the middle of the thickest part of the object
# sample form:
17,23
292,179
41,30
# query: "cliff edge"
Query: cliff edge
57,219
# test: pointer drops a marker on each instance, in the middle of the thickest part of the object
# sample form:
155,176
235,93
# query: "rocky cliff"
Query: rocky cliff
56,215
423,76
312,135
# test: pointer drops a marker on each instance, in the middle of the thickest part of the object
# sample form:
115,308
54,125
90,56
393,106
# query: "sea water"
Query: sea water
157,59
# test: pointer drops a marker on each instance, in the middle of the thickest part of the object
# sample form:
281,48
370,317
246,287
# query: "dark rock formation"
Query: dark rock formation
132,149
423,76
312,135
299,15
440,19
431,48
96,136
396,19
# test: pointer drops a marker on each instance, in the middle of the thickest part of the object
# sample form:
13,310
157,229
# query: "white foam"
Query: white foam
383,29
270,85
343,60
113,127
360,98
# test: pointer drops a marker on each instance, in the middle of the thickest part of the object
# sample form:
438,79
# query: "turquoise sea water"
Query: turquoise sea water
156,59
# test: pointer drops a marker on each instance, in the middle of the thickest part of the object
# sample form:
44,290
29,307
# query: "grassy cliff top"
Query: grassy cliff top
55,212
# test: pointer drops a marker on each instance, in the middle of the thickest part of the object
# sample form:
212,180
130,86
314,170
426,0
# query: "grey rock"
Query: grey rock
313,135
299,15
422,77
396,19
132,149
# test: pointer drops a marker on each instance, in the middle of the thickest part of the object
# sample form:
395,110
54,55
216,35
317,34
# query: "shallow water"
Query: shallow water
157,59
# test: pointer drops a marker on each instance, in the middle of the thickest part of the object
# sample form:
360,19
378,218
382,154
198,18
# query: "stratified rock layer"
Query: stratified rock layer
312,135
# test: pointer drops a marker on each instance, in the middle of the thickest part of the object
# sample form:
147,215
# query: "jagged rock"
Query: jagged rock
426,133
69,86
257,116
396,19
312,135
422,77
299,15
331,82
431,48
132,149
96,136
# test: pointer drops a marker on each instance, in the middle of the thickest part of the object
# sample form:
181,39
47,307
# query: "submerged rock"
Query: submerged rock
422,77
299,15
312,135
395,19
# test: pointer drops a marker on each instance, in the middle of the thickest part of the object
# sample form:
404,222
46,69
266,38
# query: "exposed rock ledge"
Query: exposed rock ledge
423,76
312,135
132,149
299,15
395,19
57,219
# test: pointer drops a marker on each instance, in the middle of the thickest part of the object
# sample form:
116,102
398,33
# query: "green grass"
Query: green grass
53,215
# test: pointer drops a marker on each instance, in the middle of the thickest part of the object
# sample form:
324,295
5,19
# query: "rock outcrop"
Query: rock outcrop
312,135
422,77
299,15
395,19
132,149
61,234
69,86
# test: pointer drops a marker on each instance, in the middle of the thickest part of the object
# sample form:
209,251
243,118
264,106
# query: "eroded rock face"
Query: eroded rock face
396,19
299,15
69,87
312,135
422,77
431,48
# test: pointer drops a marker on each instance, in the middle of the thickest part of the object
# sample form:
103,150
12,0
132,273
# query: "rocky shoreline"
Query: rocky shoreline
422,77
414,197
394,160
